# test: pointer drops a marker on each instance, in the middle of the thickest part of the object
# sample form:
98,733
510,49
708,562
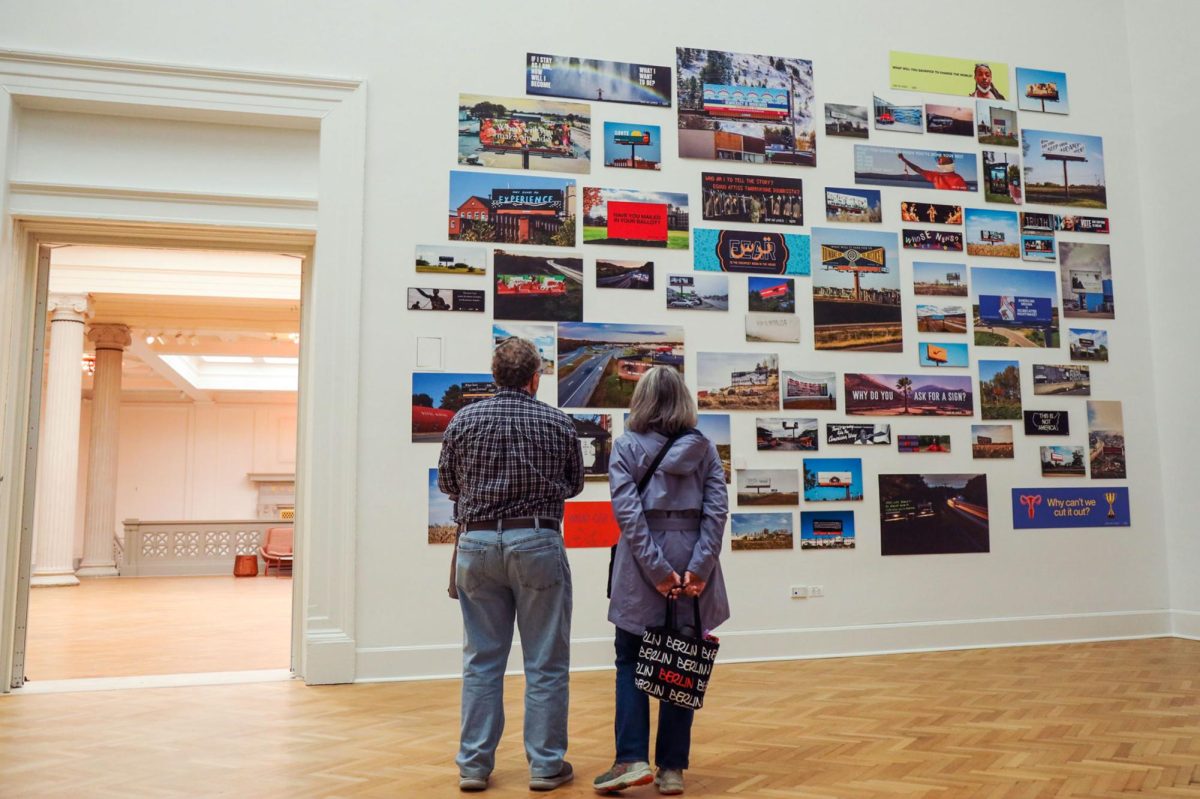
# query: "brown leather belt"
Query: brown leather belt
527,522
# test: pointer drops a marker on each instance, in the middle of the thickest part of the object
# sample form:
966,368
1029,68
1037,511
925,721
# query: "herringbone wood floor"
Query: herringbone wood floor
1118,719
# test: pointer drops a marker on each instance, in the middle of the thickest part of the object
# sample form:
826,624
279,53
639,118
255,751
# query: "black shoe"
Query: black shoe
564,775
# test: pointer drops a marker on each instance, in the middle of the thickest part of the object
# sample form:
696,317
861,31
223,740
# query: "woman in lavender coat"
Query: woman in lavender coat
670,545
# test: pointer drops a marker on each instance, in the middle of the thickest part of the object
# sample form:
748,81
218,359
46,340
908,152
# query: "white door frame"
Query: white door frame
327,445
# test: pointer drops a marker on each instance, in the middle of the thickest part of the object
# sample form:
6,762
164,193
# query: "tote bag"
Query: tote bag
674,667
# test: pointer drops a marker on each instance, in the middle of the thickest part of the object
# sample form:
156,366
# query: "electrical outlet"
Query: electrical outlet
816,590
799,592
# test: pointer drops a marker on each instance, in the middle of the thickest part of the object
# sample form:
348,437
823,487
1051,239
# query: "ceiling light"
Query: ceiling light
149,339
160,339
226,359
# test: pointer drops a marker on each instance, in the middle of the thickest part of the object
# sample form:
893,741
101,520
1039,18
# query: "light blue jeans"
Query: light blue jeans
517,575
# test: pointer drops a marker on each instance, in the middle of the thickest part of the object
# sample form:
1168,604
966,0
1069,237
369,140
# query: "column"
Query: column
58,447
100,506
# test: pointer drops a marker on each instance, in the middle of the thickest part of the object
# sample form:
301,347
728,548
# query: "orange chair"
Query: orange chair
276,548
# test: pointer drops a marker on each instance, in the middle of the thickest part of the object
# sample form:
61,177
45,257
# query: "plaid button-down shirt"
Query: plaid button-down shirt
510,456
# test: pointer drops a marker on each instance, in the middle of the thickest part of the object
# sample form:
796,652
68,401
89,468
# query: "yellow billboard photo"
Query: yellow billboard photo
944,75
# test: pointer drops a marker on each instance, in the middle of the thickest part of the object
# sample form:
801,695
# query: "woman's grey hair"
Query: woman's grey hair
661,403
515,362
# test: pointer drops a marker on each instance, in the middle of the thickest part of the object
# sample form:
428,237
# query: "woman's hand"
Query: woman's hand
693,585
669,585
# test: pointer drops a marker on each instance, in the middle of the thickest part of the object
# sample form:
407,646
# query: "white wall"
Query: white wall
1168,181
418,56
190,461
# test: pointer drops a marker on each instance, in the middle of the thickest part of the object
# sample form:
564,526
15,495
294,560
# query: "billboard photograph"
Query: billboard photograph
592,79
628,146
1042,90
540,288
938,74
737,381
757,199
809,391
937,279
1047,423
590,524
848,121
716,428
780,434
833,480
1014,307
942,353
624,274
635,218
777,328
540,335
751,252
1088,344
897,118
991,441
1047,508
698,292
1001,177
933,514
852,433
996,123
471,300
906,168
1037,247
931,213
745,107
772,294
1106,439
909,395
952,120
992,233
1064,380
923,443
1062,461
853,206
760,531
941,318
595,434
827,529
437,396
442,529
768,487
600,364
449,259
511,209
856,291
999,390
1082,224
939,240
520,133
1063,168
1085,272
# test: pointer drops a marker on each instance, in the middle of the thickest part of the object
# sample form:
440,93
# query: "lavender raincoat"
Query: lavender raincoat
690,477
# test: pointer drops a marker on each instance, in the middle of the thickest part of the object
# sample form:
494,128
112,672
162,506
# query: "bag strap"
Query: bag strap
658,459
672,604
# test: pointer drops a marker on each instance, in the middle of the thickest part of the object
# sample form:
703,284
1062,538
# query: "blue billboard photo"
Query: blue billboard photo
628,146
592,79
915,169
1015,307
1045,508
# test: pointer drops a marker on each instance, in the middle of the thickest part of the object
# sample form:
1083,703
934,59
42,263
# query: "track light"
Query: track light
149,339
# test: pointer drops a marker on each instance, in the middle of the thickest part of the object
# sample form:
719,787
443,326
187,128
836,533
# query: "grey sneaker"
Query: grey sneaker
472,784
624,775
564,775
669,781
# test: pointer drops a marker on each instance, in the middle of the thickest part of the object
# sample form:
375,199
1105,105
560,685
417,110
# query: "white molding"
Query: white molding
1186,624
22,187
442,661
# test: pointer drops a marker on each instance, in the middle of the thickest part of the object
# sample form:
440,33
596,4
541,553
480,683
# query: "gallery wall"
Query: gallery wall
1034,585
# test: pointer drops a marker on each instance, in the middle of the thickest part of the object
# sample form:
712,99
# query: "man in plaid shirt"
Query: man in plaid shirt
509,462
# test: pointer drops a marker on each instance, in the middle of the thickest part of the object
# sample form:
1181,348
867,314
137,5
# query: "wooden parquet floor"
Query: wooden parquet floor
1117,719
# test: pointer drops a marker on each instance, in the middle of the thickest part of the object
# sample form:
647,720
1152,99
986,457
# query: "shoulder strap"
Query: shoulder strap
658,459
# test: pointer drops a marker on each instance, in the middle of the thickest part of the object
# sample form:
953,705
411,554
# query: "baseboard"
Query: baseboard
329,658
441,661
1186,624
152,681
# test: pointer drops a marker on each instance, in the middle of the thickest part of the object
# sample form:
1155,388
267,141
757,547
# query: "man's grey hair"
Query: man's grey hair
661,403
515,362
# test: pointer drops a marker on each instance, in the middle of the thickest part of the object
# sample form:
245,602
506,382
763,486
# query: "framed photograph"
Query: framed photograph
628,146
600,364
1042,90
768,487
624,274
991,441
785,434
827,529
635,218
544,288
848,121
593,79
907,168
1064,168
853,206
897,118
748,531
485,206
737,381
939,74
833,480
1015,307
522,133
757,199
698,292
933,514
856,291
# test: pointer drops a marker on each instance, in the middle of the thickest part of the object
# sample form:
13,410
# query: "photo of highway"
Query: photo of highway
537,287
624,274
1035,290
933,514
599,364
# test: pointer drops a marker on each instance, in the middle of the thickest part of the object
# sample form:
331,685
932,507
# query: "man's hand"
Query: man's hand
669,585
693,585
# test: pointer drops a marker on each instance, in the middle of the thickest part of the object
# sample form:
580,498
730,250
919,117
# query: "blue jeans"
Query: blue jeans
674,741
523,576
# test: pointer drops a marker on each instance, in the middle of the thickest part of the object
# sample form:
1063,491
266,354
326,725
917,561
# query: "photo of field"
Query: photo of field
442,529
992,233
1063,461
760,531
941,318
450,259
1000,390
1064,168
768,487
737,381
991,441
716,428
635,218
856,290
599,364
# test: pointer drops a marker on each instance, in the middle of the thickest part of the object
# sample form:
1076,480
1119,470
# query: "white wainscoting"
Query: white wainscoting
172,548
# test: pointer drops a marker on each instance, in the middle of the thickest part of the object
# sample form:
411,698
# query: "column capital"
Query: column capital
67,307
109,337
